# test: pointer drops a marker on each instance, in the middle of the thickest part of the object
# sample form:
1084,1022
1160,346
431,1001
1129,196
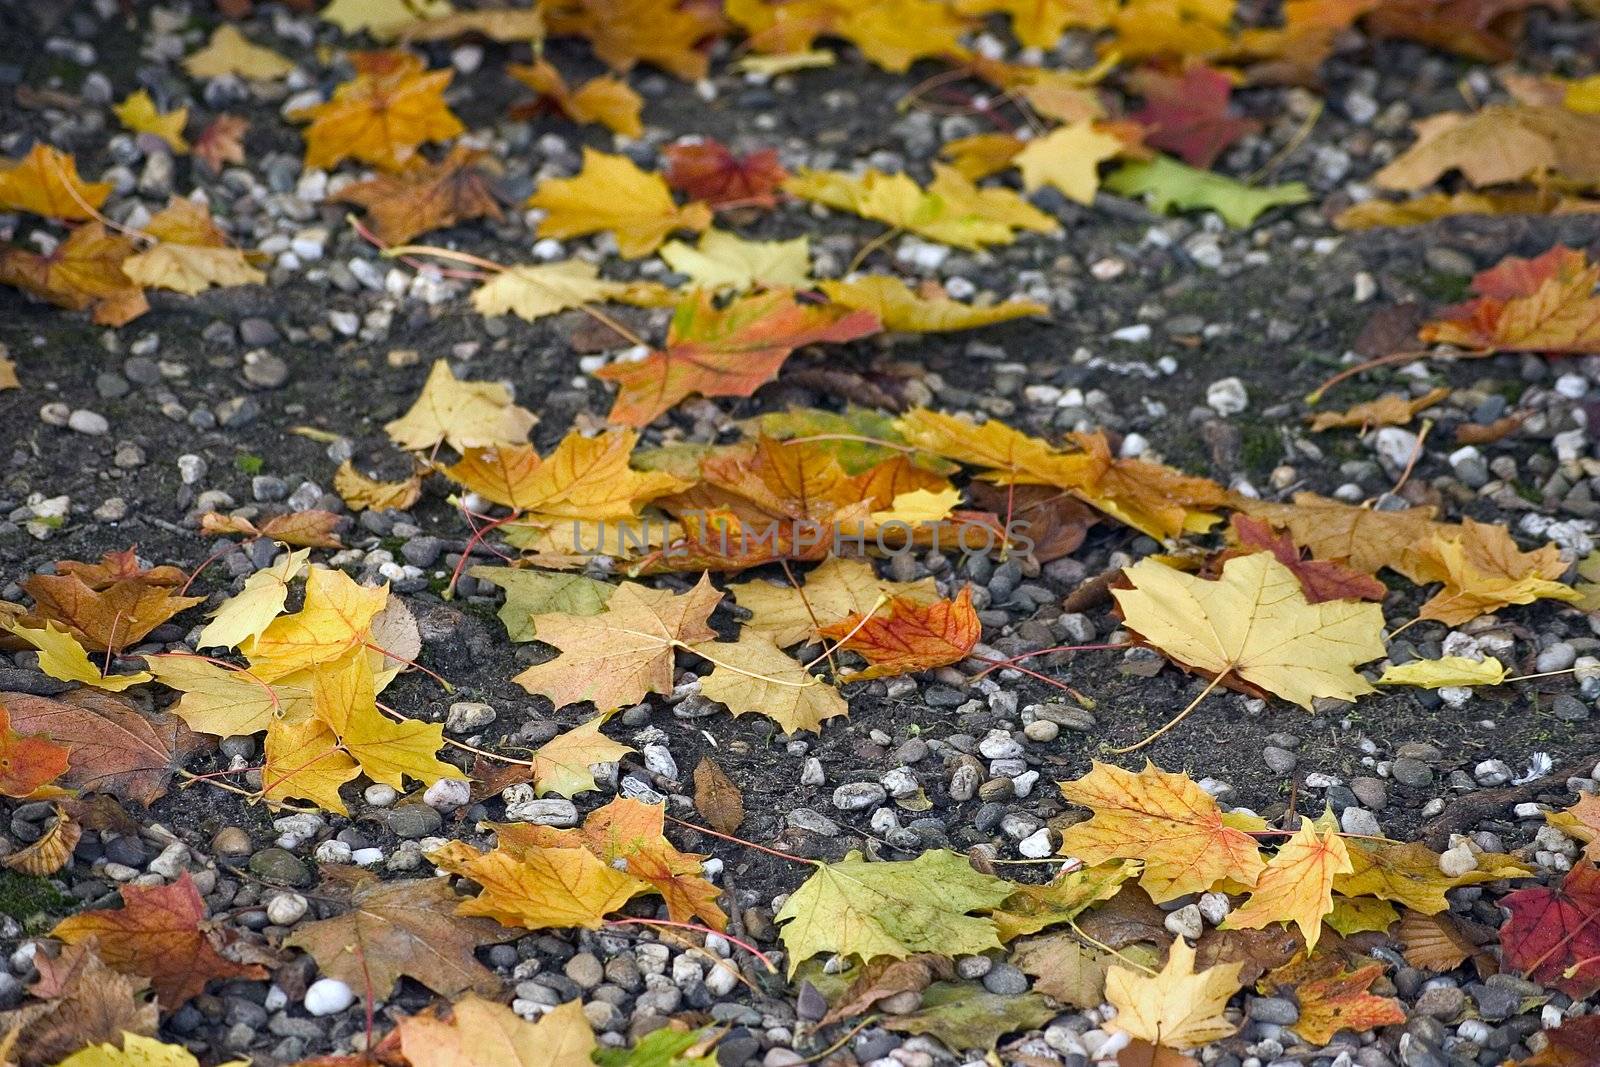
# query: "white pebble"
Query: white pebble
1037,845
1227,396
286,909
448,794
328,996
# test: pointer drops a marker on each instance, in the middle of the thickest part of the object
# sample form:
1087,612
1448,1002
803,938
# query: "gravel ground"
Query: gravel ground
1192,342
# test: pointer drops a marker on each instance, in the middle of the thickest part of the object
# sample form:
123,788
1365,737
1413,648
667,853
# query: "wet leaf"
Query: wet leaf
27,761
159,933
716,797
964,1015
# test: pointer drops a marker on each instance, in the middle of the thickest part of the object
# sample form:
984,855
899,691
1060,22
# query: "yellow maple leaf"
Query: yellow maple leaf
618,656
562,764
539,888
1500,144
1167,821
251,610
725,260
1068,158
231,52
45,182
381,117
584,478
85,270
982,154
606,100
755,675
624,33
335,618
191,253
481,1033
1390,409
224,702
1446,671
62,657
137,1051
360,492
460,414
899,308
1040,23
1009,456
1409,873
1483,570
344,695
896,33
381,18
1365,538
837,590
1177,1007
532,291
138,113
610,193
304,760
952,210
1297,885
1254,622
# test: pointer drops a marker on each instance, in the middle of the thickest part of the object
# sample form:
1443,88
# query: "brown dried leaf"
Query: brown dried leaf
885,977
716,797
81,1002
114,747
52,851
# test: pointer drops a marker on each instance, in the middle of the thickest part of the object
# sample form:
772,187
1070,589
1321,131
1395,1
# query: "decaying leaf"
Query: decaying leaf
112,747
716,797
427,197
1545,304
706,170
191,253
1501,143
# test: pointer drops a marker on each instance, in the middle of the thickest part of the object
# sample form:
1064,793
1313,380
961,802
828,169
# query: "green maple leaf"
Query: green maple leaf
534,592
1165,184
867,910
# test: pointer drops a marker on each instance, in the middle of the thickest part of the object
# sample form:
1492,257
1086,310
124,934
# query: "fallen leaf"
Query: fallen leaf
82,1002
1254,622
982,154
1064,968
191,253
300,529
334,619
1031,908
964,1015
505,25
27,761
481,1033
222,141
562,765
1483,570
380,117
1553,934
1446,671
726,261
1571,1044
1320,580
1580,822
755,675
1434,942
231,52
1257,951
8,375
137,1051
1040,23
139,114
1333,999
716,797
837,590
885,977
1432,206
538,888
616,657
913,636
304,760
707,171
361,493
1297,884
534,291
610,193
1188,114
60,656
584,478
1545,304
113,748
1166,184
605,99
461,414
227,701
426,197
952,210
899,308
402,929
83,271
1501,143
1069,159
727,351
1365,539
45,182
666,1047
344,696
1178,1007
536,592
624,33
1163,819
159,934
112,617
1409,874
1390,409
896,908
381,18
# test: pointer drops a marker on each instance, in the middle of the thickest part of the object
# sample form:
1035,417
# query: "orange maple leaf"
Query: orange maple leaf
222,141
624,33
112,617
728,351
426,197
1544,304
83,271
46,182
159,933
912,636
1332,998
27,761
708,171
382,115
606,100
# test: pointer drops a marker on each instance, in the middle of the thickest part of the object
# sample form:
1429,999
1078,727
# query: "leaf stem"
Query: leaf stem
1176,719
741,841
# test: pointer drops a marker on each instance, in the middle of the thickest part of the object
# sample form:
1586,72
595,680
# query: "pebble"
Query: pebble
856,796
1037,845
280,866
328,996
1454,862
231,841
413,821
286,909
1411,772
1440,1002
1277,1010
1227,397
523,806
1186,921
1395,447
448,794
88,422
1354,820
466,716
1005,980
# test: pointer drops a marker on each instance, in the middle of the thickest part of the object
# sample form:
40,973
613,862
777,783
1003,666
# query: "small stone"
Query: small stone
1441,1002
1227,397
1214,907
467,716
1037,845
1279,760
1276,1010
1186,921
856,796
380,795
88,422
1042,730
1411,772
448,794
1492,772
328,996
279,866
1395,447
1457,861
973,967
585,970
523,806
1355,820
231,841
413,821
286,909
1005,980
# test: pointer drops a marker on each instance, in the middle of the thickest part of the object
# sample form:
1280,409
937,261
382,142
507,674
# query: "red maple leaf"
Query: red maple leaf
1575,1043
1320,580
727,351
911,637
709,171
1544,304
1553,935
1188,114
